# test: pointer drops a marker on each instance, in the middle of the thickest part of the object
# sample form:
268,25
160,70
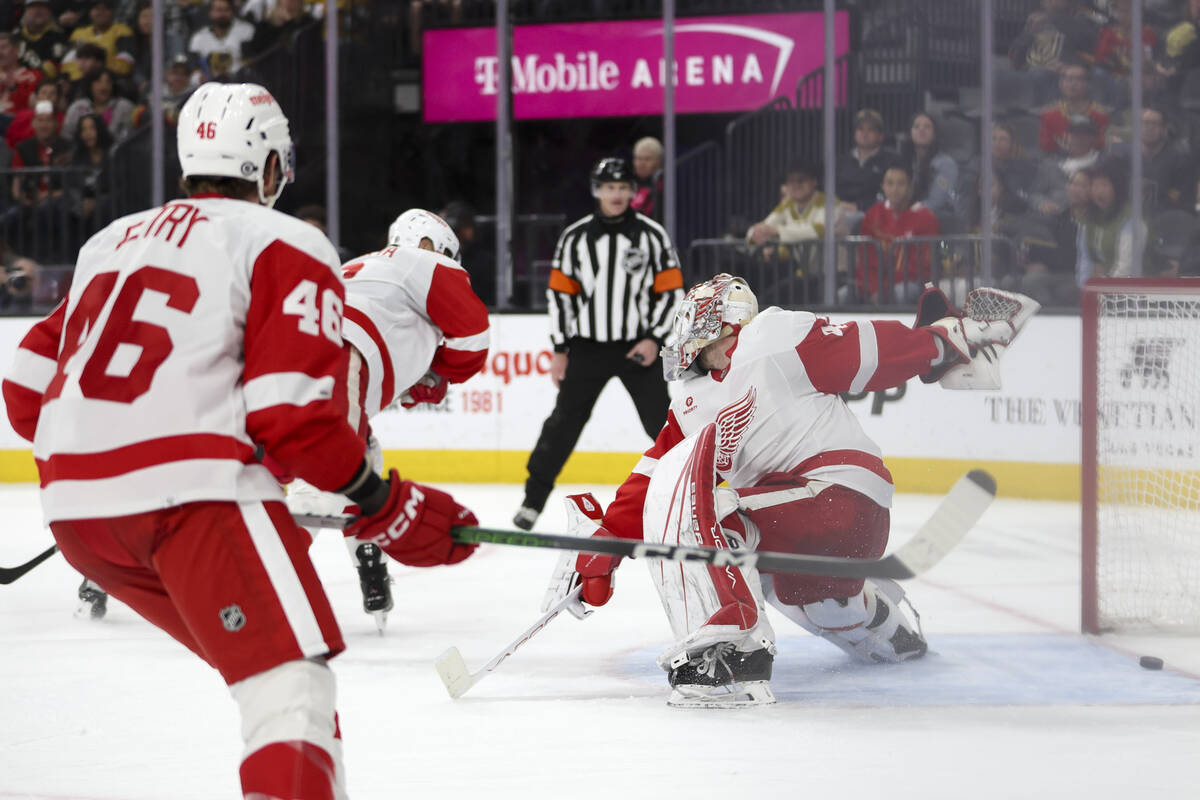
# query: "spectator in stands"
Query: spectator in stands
1107,242
1168,171
891,222
935,175
1059,34
90,58
648,177
1008,160
115,37
70,13
88,193
37,197
42,44
1075,100
21,127
860,171
284,19
179,87
140,48
218,47
1048,196
800,216
1051,247
1182,51
16,284
17,82
1083,144
1113,52
101,99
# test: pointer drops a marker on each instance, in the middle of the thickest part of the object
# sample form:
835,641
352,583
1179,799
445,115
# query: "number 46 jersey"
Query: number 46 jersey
192,333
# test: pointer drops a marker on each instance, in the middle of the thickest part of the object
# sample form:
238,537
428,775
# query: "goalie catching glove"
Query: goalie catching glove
971,342
413,524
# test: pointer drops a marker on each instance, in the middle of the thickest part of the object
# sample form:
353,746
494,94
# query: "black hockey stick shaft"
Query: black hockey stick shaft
954,516
10,574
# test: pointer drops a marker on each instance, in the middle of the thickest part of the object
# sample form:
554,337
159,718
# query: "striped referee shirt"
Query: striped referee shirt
613,281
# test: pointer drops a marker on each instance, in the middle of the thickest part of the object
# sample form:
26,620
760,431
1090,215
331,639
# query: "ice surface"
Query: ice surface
1010,703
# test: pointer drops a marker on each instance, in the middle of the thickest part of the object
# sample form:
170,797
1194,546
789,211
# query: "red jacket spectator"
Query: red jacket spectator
1075,101
890,227
17,83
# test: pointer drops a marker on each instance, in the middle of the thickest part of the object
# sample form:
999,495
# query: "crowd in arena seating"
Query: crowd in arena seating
1061,193
75,79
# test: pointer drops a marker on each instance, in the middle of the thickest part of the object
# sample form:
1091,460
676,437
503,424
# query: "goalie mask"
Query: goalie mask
416,224
709,311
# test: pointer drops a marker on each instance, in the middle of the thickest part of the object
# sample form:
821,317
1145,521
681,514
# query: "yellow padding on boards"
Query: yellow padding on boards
920,475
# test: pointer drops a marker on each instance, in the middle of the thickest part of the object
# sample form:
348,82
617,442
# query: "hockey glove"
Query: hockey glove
413,526
430,389
584,513
596,572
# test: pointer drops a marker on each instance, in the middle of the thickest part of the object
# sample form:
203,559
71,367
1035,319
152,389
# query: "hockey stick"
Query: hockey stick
453,670
10,574
940,534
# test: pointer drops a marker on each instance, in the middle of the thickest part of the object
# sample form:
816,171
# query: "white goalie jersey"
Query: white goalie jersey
777,407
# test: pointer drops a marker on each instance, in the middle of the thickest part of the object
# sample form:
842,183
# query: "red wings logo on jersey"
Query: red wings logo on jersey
732,422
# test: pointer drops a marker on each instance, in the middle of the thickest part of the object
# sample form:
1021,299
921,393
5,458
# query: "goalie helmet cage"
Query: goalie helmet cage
1140,464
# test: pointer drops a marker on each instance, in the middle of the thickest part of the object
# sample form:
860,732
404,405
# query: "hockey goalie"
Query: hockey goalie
761,410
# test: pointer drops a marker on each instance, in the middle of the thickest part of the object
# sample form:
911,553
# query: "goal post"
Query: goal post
1140,461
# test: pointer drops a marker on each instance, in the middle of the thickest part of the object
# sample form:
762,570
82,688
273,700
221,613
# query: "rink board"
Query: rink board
1027,434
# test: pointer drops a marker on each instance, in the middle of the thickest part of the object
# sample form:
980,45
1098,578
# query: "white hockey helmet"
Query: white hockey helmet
416,224
229,130
707,312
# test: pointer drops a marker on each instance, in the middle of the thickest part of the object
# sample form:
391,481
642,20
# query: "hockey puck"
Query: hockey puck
1151,662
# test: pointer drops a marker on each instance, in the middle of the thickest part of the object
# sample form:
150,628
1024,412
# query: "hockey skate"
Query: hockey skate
375,582
93,601
526,517
721,676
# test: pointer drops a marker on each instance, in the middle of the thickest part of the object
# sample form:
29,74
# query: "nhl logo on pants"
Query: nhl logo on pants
232,618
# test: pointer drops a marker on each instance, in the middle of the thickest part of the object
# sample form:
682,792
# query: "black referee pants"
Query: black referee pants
590,365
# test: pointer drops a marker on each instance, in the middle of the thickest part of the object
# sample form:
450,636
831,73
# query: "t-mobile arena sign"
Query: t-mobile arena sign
610,69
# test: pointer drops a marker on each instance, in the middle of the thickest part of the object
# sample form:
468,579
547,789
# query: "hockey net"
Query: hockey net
1141,456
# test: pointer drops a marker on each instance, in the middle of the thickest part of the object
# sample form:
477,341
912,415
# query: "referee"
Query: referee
614,285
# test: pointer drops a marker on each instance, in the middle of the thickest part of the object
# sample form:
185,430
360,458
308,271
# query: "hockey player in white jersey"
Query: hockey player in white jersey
193,335
412,326
760,408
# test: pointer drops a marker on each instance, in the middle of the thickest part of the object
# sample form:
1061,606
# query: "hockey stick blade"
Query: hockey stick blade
454,673
10,574
453,670
951,521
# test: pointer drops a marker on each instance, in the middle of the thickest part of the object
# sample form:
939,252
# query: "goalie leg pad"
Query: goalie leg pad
704,604
289,726
870,626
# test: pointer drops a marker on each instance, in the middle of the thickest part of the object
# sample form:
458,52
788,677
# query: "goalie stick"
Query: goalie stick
10,574
453,670
955,515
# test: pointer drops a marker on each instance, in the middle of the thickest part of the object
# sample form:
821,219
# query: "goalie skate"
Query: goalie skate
721,676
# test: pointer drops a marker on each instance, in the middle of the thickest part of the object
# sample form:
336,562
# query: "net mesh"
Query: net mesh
1148,462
